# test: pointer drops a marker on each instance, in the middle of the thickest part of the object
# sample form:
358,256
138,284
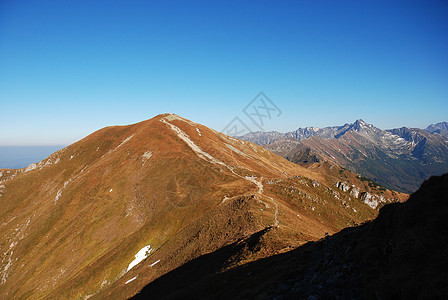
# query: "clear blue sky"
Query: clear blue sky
68,68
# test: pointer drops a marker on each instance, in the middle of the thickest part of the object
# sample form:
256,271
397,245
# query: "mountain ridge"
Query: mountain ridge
399,158
440,128
127,204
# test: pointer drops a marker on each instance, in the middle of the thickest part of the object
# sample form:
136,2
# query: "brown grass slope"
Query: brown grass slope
71,224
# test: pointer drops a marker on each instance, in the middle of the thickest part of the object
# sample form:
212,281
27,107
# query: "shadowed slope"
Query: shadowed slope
399,255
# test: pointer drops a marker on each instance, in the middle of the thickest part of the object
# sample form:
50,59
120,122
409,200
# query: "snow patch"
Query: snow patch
111,190
140,256
132,279
199,132
154,263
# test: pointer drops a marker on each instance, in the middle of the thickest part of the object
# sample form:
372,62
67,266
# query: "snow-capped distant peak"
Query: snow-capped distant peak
361,123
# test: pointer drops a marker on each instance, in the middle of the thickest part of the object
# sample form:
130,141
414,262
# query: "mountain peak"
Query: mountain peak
359,125
159,193
440,128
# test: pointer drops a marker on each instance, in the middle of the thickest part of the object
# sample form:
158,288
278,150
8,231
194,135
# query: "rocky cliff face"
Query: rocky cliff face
372,200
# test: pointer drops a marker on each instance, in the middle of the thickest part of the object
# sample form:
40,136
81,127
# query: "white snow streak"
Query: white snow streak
132,279
154,263
125,141
121,144
140,256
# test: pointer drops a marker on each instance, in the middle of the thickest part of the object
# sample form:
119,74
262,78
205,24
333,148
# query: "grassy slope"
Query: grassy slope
112,202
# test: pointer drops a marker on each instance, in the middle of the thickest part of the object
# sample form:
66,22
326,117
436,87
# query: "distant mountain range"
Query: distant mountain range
398,159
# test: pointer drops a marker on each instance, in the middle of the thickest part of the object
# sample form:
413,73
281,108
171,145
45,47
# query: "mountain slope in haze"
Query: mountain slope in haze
399,255
399,158
111,213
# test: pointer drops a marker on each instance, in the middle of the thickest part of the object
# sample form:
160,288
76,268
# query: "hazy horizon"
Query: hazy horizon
17,157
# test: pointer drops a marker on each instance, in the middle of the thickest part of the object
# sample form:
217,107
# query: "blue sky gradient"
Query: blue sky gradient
68,68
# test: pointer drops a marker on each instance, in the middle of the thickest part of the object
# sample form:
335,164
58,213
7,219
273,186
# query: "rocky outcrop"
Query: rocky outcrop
372,200
344,186
355,192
